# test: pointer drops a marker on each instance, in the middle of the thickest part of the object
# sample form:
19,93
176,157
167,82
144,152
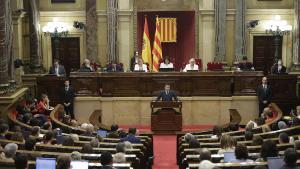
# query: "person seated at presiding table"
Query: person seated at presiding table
140,66
192,66
278,68
86,66
131,137
115,67
57,69
166,63
244,65
167,94
134,60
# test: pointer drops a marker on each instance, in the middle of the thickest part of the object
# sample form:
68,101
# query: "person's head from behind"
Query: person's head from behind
48,137
94,143
87,149
283,138
10,150
205,154
248,135
63,162
233,127
21,161
167,87
47,126
241,152
132,131
114,128
227,142
297,145
217,130
194,144
128,145
106,159
290,157
120,148
35,131
68,141
30,144
44,97
268,149
282,125
17,136
188,137
257,141
76,156
3,128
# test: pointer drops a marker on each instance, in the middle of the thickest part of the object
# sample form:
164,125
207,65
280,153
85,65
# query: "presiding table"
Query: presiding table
185,84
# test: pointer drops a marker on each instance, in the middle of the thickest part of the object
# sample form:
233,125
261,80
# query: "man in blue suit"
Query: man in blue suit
167,95
131,137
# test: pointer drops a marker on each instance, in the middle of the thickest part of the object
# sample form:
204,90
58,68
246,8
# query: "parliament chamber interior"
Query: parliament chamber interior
149,84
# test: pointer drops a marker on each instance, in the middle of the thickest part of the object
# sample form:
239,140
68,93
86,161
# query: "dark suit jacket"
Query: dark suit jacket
132,63
264,94
167,97
85,69
61,70
245,66
281,71
68,96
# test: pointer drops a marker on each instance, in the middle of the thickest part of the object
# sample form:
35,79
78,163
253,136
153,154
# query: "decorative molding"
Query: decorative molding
63,13
270,12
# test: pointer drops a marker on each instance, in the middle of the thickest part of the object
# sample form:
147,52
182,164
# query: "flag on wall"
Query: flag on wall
146,51
157,49
168,29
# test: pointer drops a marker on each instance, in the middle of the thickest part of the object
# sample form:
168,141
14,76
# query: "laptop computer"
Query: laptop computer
102,133
79,164
275,162
166,69
45,163
229,157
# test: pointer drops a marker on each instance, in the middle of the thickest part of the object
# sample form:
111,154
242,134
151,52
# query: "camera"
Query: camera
78,25
252,24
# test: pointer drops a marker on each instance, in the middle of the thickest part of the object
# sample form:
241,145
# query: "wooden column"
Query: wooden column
6,60
91,31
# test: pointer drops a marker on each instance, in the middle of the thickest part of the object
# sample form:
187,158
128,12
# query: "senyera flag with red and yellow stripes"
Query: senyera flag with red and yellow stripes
157,49
168,29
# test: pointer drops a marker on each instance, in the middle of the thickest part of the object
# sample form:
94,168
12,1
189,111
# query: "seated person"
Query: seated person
290,159
245,65
134,60
278,68
268,149
114,67
57,69
241,154
3,130
131,137
43,105
205,159
166,63
113,131
191,66
140,66
227,144
10,151
167,94
86,67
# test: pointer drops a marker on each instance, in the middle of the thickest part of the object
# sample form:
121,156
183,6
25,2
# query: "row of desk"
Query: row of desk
139,84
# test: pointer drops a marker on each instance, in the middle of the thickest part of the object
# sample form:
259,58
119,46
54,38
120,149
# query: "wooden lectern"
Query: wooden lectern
166,117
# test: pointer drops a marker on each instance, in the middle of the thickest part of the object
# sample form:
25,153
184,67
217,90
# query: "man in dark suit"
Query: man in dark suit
134,60
131,137
106,160
279,68
67,96
167,94
57,69
264,93
245,65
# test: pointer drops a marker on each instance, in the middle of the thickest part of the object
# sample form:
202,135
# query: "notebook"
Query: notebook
102,133
79,164
229,157
166,69
275,162
45,163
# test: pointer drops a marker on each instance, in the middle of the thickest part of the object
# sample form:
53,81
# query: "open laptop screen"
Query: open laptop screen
45,163
79,164
275,162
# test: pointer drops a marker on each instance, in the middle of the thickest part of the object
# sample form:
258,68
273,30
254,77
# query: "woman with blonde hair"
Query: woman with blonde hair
227,144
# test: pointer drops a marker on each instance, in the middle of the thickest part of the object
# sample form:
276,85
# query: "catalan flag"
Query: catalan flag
168,29
146,52
157,49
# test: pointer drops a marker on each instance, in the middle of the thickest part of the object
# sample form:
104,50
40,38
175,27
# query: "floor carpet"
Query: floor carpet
164,152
